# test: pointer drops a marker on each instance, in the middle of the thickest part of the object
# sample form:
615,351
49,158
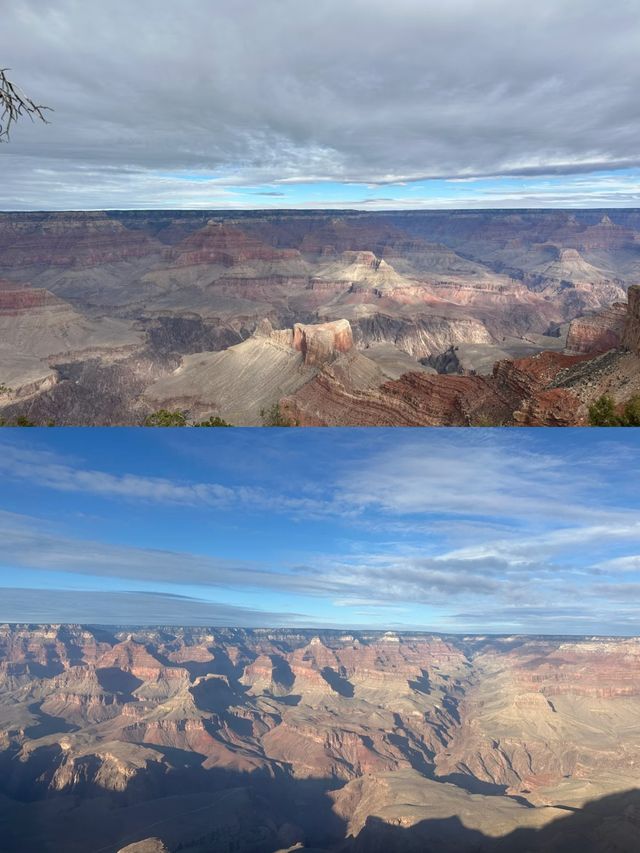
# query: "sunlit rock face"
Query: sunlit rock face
320,343
551,388
167,738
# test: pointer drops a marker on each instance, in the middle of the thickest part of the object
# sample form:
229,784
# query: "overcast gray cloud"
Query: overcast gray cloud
253,92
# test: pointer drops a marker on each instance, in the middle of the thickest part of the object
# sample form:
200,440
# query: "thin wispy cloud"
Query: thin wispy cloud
124,608
32,464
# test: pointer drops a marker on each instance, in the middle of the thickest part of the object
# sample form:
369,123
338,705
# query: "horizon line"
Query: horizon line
311,210
318,630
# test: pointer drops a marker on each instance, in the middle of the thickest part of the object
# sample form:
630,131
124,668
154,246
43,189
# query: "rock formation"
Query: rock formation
547,389
149,845
519,392
243,382
38,329
597,333
81,240
319,344
631,333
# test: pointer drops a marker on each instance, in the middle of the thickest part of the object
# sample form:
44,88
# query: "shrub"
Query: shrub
273,417
213,422
166,418
631,414
603,412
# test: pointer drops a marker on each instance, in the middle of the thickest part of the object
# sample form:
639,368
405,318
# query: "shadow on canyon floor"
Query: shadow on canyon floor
608,825
229,812
192,809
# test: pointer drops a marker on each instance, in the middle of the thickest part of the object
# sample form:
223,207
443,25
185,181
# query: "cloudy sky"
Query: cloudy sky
448,530
341,103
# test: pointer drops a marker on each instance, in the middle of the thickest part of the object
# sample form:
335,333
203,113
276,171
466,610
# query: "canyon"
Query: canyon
157,739
334,317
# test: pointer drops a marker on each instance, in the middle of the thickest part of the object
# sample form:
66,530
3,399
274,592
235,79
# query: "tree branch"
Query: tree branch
14,104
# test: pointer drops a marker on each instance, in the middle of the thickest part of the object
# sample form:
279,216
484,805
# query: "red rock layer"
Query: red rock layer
599,668
334,705
227,245
17,301
599,332
72,239
516,393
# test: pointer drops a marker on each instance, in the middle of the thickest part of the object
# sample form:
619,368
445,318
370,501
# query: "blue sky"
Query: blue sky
336,103
449,530
595,188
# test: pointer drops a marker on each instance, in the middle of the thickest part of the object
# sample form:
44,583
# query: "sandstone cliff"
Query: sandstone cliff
320,343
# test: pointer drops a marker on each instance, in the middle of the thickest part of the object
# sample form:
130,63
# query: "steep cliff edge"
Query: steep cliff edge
516,393
38,329
140,289
548,389
235,739
597,333
631,334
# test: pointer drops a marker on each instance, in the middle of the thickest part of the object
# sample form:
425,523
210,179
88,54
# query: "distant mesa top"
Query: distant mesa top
318,318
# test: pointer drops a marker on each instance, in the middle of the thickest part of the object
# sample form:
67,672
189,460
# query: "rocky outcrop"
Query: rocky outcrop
15,299
228,245
518,392
599,332
149,845
273,362
631,334
38,329
416,399
539,684
275,734
320,343
212,383
422,336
